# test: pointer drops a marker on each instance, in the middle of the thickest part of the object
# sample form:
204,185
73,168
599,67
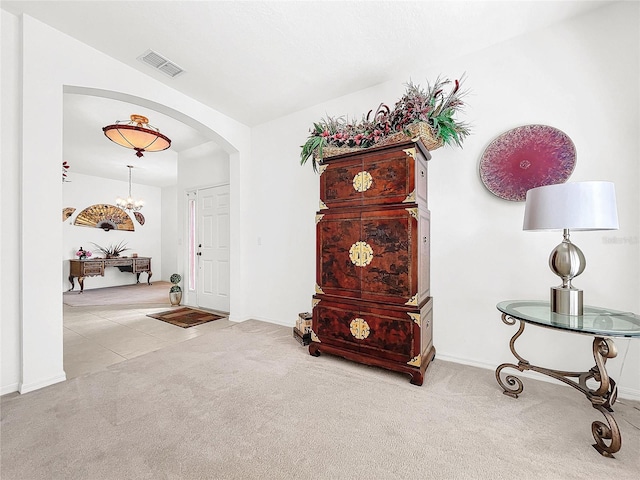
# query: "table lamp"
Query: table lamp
570,206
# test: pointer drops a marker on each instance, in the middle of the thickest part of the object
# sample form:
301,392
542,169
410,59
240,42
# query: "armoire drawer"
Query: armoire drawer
393,334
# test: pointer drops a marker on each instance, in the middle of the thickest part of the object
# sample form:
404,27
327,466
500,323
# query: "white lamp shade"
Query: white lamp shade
573,206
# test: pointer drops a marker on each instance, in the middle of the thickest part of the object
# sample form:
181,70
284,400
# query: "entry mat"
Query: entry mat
186,317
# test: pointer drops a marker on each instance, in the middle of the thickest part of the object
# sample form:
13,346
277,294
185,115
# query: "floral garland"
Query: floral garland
417,105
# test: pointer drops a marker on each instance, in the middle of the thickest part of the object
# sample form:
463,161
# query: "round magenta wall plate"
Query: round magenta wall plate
527,157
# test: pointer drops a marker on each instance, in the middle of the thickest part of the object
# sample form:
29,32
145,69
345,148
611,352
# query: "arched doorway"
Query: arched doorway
94,339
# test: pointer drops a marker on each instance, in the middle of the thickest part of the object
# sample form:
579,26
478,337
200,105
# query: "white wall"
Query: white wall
561,76
170,250
202,166
50,63
84,191
10,246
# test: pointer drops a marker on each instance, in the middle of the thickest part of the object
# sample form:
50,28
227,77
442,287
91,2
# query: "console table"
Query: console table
96,266
600,323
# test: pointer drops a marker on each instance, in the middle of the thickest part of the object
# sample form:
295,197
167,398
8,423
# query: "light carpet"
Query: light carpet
137,294
248,402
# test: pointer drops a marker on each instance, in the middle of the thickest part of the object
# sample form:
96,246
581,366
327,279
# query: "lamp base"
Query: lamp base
566,301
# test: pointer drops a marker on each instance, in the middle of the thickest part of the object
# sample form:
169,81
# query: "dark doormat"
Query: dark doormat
186,317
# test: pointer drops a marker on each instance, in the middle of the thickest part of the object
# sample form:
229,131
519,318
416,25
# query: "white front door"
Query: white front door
213,248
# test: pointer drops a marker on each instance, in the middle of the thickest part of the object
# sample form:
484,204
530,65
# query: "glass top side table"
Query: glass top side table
601,323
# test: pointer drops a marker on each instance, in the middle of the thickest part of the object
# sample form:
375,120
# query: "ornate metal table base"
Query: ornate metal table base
602,398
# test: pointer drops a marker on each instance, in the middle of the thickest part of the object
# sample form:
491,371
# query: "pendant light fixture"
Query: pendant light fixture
138,135
129,203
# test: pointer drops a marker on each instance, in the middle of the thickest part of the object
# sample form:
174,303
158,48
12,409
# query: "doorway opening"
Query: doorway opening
96,337
208,247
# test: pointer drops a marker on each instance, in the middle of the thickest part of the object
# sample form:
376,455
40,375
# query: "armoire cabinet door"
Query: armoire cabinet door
331,322
336,273
374,254
392,175
337,183
391,235
394,336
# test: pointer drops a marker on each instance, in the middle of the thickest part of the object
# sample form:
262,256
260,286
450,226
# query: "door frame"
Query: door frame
190,295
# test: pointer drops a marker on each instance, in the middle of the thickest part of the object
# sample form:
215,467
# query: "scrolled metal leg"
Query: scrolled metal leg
603,348
603,398
512,380
602,432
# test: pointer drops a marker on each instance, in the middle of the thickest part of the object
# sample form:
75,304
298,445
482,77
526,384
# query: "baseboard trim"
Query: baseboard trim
270,320
626,393
13,387
30,387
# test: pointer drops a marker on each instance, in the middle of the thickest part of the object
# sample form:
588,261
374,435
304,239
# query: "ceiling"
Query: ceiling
89,152
258,60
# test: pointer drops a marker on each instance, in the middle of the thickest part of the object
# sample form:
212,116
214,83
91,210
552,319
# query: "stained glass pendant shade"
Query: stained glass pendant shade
138,135
527,157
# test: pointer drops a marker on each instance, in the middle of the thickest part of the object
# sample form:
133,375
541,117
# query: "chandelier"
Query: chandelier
129,203
138,135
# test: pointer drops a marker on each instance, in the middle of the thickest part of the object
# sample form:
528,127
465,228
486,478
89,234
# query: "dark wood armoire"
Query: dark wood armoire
372,302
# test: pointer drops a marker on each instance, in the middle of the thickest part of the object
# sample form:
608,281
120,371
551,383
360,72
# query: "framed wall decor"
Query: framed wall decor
527,157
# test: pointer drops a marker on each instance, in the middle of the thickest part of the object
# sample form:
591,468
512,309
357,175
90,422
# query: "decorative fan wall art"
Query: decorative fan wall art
527,157
107,217
67,212
139,217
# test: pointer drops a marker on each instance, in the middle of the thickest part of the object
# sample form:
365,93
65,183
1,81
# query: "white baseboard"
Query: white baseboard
30,387
13,387
271,320
627,393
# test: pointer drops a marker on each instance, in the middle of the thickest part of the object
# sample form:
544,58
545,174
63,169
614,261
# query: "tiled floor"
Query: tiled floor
96,337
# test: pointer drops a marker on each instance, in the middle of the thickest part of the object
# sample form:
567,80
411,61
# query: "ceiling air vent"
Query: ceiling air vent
159,62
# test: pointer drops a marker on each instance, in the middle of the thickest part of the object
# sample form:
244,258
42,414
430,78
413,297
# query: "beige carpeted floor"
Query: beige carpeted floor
138,294
248,402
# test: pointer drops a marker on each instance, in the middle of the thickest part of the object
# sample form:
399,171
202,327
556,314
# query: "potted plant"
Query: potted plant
112,251
425,113
175,293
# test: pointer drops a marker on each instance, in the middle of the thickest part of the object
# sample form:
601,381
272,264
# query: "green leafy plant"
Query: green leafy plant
436,105
112,250
175,279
